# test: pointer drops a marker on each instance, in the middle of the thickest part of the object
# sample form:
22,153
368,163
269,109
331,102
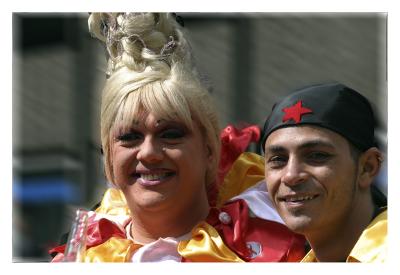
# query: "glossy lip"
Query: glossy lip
145,182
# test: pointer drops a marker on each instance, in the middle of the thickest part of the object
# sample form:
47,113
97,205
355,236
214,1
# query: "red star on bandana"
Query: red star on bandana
295,112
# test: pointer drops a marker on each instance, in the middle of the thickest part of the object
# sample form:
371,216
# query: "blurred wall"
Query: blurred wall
253,59
250,60
56,153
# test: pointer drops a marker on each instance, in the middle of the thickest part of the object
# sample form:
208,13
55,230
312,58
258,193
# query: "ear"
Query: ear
369,166
108,163
210,157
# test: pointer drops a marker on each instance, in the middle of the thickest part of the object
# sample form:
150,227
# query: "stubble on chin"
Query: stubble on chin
296,222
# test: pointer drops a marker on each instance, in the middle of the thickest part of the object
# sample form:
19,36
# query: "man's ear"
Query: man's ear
369,165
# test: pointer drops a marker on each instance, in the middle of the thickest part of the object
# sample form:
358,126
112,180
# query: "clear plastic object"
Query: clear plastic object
76,244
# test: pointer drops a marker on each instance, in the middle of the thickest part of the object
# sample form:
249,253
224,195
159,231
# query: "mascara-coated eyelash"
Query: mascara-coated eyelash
129,136
173,133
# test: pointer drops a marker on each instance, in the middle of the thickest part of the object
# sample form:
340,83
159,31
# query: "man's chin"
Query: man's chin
298,224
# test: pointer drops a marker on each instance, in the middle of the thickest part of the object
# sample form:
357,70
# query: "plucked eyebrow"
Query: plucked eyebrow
165,124
159,123
274,149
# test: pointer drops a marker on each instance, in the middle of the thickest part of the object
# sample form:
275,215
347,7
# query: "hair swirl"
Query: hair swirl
139,40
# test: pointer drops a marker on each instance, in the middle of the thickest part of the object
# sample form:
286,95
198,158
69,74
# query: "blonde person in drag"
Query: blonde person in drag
161,142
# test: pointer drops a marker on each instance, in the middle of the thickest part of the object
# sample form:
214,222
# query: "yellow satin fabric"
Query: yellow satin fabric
371,247
113,203
206,245
246,171
113,250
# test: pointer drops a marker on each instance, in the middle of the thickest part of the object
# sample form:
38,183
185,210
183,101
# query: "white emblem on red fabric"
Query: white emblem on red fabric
255,249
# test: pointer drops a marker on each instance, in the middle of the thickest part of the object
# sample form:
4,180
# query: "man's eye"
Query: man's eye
276,161
173,133
319,157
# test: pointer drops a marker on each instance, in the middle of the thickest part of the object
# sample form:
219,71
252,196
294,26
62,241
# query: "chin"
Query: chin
145,200
299,224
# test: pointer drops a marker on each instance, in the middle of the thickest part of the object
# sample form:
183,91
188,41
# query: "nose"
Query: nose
293,173
150,151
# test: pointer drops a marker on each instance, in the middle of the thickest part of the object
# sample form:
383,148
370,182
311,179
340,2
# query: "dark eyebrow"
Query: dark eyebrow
315,143
306,145
274,149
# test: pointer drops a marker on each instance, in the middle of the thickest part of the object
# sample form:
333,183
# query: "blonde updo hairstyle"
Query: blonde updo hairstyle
150,68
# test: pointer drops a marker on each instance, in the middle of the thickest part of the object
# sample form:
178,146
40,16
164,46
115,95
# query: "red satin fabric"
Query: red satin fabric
101,231
97,233
234,141
278,243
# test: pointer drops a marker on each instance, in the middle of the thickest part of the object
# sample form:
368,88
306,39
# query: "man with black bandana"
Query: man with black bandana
321,159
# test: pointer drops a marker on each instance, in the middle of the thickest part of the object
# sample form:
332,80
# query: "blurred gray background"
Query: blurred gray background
250,60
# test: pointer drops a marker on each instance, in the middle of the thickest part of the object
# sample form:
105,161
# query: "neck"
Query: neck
334,243
148,226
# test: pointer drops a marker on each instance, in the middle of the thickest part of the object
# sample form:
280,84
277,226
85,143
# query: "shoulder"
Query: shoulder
372,244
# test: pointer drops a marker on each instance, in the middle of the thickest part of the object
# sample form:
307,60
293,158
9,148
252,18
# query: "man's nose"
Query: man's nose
294,173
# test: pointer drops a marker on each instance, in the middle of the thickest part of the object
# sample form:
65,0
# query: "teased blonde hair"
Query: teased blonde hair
151,70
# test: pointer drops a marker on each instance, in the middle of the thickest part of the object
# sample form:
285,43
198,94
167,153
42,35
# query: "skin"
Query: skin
171,203
319,189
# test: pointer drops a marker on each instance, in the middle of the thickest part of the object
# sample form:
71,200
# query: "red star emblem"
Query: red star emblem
295,112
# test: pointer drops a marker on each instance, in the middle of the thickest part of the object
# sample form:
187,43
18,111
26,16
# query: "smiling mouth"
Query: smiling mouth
153,178
299,199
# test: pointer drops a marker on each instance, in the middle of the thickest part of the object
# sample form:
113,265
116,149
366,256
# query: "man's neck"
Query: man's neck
334,243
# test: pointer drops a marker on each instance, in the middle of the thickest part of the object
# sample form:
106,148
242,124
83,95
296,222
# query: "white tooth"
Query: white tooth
153,176
305,198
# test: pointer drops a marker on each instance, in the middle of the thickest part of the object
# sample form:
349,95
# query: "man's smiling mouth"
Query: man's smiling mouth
298,198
